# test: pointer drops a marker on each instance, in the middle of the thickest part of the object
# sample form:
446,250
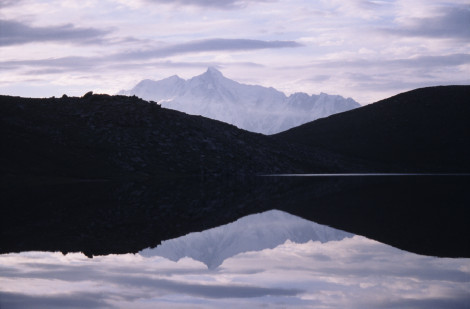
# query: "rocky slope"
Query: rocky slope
109,137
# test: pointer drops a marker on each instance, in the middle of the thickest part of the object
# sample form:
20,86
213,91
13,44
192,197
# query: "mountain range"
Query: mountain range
250,107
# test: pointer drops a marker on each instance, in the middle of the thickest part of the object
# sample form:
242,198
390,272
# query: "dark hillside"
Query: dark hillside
117,137
424,130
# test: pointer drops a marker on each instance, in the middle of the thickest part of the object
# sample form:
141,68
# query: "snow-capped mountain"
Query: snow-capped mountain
251,233
250,107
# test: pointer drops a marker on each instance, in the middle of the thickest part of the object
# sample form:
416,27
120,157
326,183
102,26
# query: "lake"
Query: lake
271,259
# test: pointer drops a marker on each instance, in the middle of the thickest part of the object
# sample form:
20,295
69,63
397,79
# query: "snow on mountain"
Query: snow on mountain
250,107
251,233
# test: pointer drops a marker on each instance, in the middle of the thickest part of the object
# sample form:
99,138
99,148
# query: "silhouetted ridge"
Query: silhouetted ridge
101,136
425,129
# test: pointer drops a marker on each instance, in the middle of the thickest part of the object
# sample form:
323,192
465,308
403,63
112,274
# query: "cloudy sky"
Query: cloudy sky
364,49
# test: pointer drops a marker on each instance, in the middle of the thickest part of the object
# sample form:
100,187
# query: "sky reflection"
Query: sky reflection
354,273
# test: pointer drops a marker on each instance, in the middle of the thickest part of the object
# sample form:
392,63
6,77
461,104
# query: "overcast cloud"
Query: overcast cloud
73,300
99,63
453,22
412,62
363,49
223,4
209,45
16,33
5,3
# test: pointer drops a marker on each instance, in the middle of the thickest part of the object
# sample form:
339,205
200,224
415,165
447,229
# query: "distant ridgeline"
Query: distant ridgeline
101,136
250,107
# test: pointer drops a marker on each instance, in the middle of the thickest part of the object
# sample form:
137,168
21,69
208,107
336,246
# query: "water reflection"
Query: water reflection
354,272
251,233
425,215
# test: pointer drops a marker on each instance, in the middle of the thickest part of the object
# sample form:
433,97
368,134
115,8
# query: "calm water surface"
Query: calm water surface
284,267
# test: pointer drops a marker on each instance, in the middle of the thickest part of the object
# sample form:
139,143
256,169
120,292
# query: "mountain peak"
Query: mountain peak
174,77
213,72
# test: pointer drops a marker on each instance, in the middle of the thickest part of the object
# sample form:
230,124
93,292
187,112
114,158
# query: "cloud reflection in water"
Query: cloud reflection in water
354,272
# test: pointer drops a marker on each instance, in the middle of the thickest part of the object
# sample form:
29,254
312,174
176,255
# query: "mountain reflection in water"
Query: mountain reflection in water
353,272
422,214
425,215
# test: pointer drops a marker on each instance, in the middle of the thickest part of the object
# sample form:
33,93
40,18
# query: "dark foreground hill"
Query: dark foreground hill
424,130
117,137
